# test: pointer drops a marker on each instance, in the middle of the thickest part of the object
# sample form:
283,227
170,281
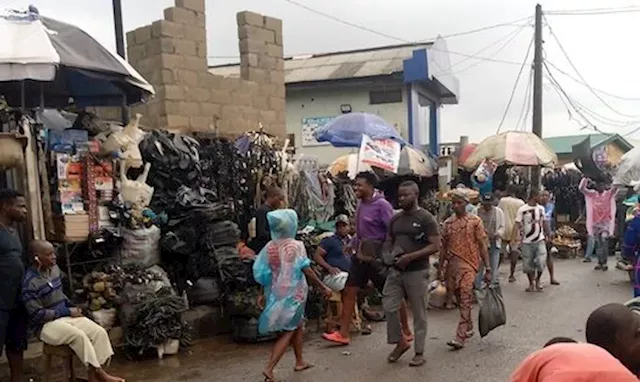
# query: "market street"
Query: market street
532,319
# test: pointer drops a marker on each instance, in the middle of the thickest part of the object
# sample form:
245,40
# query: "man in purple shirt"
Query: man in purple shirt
372,227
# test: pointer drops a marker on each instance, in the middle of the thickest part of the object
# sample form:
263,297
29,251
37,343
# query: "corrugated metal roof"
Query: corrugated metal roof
339,65
564,145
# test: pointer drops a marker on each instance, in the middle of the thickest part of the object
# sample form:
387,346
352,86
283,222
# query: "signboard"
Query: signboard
309,126
383,153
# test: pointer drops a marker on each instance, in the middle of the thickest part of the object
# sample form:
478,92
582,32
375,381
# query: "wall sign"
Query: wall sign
309,126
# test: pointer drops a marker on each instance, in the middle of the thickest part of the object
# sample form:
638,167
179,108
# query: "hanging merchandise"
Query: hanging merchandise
345,200
313,198
125,144
563,185
136,192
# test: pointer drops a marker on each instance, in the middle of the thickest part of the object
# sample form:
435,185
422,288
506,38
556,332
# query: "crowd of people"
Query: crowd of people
389,250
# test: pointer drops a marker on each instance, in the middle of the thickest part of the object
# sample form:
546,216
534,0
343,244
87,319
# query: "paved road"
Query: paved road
532,319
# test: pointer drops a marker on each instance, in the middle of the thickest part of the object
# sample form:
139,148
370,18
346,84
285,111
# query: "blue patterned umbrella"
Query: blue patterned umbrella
347,130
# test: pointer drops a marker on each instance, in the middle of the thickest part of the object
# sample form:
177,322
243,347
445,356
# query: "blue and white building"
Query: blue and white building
404,84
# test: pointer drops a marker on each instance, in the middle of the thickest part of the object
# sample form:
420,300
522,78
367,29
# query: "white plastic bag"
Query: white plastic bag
336,282
105,317
136,192
126,142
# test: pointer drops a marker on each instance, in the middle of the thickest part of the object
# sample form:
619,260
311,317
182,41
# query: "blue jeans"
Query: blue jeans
494,261
591,247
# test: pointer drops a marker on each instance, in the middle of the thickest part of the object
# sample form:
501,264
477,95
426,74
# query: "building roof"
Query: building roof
564,145
380,61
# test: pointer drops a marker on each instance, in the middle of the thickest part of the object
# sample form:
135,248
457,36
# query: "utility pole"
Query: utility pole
537,89
117,22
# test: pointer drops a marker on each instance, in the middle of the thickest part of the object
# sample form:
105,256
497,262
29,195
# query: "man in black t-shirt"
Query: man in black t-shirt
13,317
274,200
413,237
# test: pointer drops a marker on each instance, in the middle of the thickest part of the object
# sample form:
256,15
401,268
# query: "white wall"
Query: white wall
325,102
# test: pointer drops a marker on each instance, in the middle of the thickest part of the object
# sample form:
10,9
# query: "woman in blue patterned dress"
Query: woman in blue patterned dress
281,268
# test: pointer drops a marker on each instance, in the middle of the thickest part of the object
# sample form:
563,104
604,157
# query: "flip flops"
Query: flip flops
336,338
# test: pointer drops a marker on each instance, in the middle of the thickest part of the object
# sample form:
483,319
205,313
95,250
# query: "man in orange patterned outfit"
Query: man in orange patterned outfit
464,243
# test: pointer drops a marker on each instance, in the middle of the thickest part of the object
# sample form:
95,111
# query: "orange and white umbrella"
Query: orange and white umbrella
515,148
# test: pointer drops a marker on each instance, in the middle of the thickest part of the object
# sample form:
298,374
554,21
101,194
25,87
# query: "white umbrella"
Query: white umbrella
48,61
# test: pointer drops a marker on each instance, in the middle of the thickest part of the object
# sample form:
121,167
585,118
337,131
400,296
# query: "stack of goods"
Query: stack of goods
83,185
72,221
567,241
151,312
101,293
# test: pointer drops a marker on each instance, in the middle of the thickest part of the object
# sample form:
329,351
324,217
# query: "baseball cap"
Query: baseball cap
342,219
486,198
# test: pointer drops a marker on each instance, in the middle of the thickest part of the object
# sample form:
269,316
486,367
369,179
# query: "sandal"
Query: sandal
367,330
336,338
512,279
417,361
268,378
397,353
455,345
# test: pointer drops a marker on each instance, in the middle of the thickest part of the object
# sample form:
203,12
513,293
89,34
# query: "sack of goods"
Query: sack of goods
492,313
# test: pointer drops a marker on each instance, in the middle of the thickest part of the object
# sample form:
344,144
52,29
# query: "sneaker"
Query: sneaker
605,267
586,260
598,267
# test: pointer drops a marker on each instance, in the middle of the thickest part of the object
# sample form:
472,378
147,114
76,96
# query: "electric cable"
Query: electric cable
515,86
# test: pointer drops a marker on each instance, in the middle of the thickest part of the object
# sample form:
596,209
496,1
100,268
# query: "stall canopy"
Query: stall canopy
512,148
45,62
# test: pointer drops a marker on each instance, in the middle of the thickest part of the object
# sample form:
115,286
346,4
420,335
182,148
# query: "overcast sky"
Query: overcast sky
603,48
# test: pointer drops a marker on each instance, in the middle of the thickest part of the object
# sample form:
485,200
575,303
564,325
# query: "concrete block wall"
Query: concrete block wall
172,55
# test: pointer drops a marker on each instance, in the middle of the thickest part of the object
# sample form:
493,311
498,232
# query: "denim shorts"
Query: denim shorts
534,257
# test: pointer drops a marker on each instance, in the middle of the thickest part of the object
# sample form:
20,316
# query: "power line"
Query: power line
386,35
623,98
593,11
495,53
566,55
358,26
345,22
579,111
506,39
526,105
515,86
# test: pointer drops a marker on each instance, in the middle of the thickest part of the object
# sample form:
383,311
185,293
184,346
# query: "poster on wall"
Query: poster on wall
309,126
381,153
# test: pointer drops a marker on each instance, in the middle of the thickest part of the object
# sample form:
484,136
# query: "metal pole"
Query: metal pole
537,90
117,21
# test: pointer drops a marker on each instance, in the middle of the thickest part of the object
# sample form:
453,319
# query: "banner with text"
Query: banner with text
383,153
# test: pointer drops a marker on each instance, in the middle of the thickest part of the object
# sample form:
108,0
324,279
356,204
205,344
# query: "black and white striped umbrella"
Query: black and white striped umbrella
47,61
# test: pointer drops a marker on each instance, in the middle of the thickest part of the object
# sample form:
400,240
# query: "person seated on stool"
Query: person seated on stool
54,318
